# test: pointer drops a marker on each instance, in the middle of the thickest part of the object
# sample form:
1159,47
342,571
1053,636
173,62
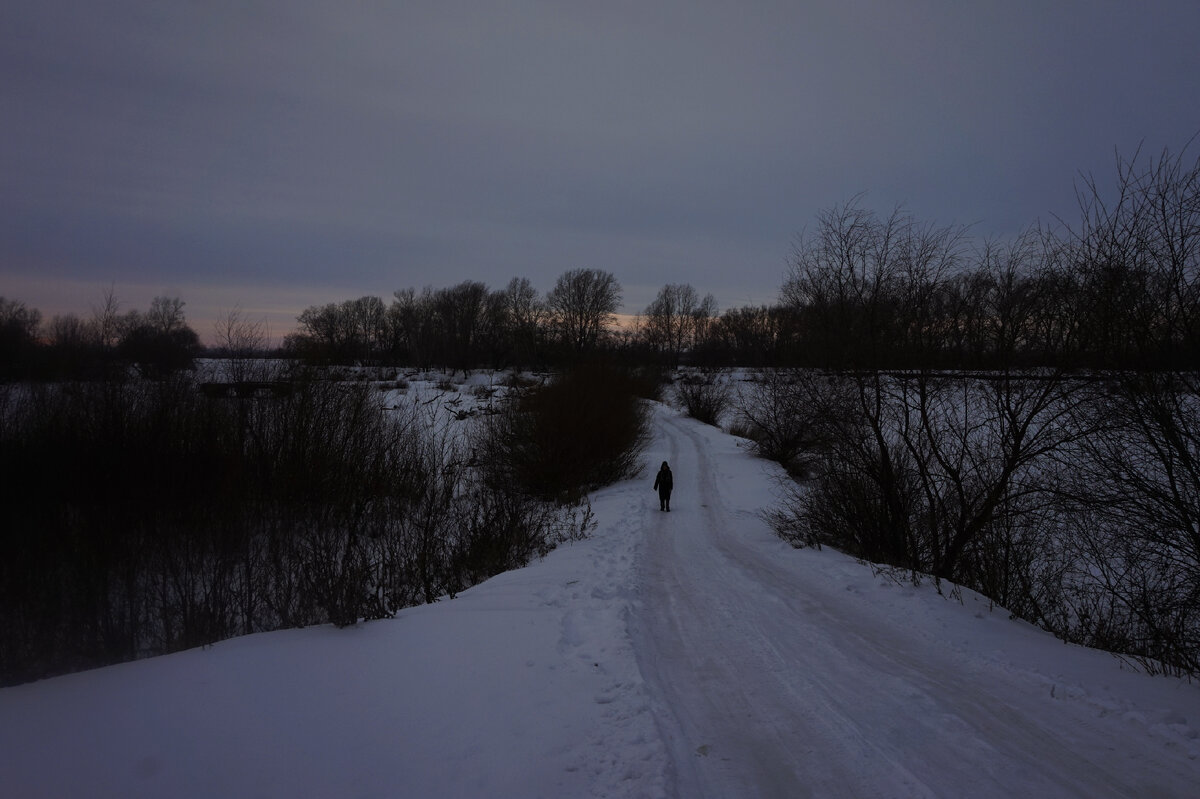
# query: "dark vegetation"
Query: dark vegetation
705,397
1021,417
143,516
151,344
584,430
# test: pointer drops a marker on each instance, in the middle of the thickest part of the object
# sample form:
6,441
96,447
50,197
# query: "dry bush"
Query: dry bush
785,412
583,430
148,517
1135,513
944,476
704,397
648,381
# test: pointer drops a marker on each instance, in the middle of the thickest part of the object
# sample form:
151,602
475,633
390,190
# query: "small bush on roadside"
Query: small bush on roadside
704,397
501,531
648,382
583,430
739,429
785,413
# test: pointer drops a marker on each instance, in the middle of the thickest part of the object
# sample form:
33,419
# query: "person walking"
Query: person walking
663,483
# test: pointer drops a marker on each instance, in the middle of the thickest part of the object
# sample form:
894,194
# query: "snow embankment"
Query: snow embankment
524,686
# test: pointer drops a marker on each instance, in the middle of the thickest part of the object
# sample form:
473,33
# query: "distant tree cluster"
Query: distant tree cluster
466,326
471,326
154,343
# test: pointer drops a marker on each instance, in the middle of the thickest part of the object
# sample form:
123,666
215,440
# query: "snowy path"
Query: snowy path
669,656
773,683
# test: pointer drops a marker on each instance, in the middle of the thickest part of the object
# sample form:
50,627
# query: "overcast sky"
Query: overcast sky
276,155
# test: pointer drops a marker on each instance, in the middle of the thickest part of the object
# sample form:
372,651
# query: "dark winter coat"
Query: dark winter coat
664,482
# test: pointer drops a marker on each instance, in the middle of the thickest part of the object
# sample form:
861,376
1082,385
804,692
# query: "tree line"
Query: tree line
153,342
1116,290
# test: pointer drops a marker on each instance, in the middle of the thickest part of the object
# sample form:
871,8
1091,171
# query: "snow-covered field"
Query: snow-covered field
686,654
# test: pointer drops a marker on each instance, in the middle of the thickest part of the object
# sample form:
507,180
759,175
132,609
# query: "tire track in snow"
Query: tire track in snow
769,686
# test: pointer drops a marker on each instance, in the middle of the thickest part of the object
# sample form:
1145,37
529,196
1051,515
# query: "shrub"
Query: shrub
158,352
583,430
501,531
853,506
648,382
786,414
1135,512
146,517
704,397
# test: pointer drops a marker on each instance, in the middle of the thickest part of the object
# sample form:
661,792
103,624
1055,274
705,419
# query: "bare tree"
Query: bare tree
749,336
345,332
526,317
843,278
238,335
166,314
785,413
243,342
670,320
18,337
459,311
705,397
583,304
68,331
704,316
1135,517
106,319
1136,513
1139,260
405,317
18,322
160,341
927,471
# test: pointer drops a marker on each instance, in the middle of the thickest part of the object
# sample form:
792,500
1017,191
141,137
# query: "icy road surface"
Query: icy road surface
775,679
684,654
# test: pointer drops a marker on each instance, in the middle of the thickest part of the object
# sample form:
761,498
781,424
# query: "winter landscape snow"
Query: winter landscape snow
682,654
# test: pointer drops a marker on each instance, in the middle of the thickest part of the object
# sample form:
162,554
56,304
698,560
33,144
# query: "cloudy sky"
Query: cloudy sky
275,155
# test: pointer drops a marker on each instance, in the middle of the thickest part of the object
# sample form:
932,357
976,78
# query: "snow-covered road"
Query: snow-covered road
678,655
777,679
